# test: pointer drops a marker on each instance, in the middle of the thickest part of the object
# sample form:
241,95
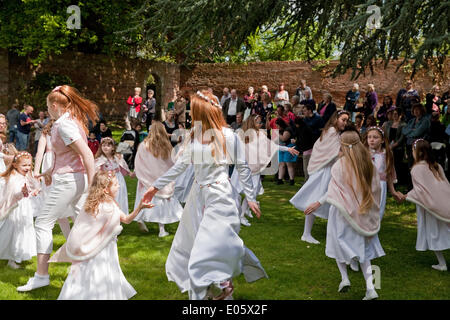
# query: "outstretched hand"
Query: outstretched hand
312,207
148,196
293,151
255,208
146,205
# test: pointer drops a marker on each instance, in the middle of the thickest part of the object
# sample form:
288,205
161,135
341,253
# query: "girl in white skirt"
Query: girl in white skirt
259,151
207,251
95,273
107,159
354,196
17,234
430,193
45,160
383,160
324,155
153,159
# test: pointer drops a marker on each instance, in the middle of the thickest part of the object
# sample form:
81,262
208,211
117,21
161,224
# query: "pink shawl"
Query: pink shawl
324,151
11,192
347,201
430,193
89,234
259,151
123,167
148,169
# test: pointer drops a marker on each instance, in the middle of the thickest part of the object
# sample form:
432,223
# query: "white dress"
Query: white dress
184,183
379,161
17,234
98,278
122,195
207,249
313,190
165,211
345,244
47,163
2,163
432,233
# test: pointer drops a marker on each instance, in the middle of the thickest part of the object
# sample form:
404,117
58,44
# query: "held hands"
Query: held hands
400,197
47,178
148,196
25,191
312,207
145,205
293,151
255,208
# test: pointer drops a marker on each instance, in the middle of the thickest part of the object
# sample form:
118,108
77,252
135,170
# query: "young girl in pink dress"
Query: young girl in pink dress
107,159
153,159
72,172
353,197
324,155
383,160
95,273
430,193
17,235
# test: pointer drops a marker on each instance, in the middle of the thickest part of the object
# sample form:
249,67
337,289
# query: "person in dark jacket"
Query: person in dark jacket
313,120
326,107
232,106
304,142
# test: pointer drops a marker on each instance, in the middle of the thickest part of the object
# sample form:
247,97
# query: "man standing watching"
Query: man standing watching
23,128
232,106
13,120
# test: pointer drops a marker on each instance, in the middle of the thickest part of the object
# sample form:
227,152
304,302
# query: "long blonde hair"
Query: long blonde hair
106,141
357,159
18,157
72,101
157,142
211,117
248,124
102,180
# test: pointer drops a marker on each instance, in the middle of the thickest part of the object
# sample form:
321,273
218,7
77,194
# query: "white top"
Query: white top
232,107
69,132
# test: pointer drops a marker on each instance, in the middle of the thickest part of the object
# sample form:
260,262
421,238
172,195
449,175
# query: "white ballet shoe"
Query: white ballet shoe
245,222
354,266
249,214
371,295
13,265
344,286
439,267
163,234
34,283
142,226
310,239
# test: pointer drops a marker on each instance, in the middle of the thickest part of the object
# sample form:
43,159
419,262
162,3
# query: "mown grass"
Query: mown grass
297,270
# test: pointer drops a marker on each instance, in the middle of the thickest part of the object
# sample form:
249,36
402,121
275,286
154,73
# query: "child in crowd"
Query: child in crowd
383,161
95,273
17,234
153,159
107,159
430,193
353,197
324,155
93,143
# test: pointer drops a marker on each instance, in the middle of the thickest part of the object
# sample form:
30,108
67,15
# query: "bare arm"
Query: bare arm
40,154
127,219
81,147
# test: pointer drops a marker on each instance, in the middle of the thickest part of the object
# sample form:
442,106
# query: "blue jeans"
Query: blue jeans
22,141
12,134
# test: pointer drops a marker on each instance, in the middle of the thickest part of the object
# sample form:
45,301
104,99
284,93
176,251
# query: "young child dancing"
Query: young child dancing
17,234
430,193
353,194
95,273
153,159
383,160
324,155
107,159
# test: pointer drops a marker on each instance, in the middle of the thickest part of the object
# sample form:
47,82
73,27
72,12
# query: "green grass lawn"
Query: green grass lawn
296,270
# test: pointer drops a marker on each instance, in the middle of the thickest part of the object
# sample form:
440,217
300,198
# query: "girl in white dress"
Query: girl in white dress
107,159
353,195
44,162
153,159
95,273
430,193
17,234
324,155
383,160
207,251
259,151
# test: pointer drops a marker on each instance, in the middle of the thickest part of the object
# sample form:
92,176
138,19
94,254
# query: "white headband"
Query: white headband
201,95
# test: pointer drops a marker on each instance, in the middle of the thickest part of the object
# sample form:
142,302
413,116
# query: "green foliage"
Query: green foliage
38,28
35,91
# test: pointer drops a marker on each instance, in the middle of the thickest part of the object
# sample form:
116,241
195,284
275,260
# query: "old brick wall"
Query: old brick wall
240,77
105,80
